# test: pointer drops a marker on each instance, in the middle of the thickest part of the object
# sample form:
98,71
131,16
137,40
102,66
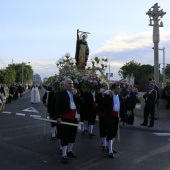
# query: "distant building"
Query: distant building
36,79
45,79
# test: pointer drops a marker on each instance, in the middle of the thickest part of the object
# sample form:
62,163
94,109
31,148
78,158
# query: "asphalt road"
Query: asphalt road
23,145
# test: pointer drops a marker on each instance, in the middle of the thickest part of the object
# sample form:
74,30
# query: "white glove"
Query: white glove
77,116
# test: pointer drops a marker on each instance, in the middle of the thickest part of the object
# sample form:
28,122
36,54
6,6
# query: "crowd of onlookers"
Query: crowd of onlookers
166,94
9,93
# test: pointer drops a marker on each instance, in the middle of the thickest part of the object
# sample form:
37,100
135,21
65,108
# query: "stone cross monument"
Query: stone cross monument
154,21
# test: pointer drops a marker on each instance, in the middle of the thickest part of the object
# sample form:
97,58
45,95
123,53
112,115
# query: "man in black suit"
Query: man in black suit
91,111
113,107
157,101
47,100
83,110
167,94
100,112
66,111
150,99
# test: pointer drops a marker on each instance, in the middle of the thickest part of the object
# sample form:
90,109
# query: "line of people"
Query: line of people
70,105
10,93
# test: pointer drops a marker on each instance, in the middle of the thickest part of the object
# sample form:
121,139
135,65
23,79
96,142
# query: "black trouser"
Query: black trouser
68,132
102,126
59,131
83,116
149,109
168,102
91,118
111,127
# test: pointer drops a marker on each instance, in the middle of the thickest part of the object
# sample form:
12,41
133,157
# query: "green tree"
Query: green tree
128,69
9,75
167,72
27,72
2,76
142,74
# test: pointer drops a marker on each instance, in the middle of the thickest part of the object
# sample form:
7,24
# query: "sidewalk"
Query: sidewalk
161,125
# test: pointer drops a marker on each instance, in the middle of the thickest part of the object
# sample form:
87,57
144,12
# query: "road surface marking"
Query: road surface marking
162,134
35,116
20,114
31,109
6,112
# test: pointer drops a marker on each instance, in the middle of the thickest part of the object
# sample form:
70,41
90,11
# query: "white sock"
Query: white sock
110,143
82,126
70,147
64,150
53,132
85,124
104,141
55,129
91,129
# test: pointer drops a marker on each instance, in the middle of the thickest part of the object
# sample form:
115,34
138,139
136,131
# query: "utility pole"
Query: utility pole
22,73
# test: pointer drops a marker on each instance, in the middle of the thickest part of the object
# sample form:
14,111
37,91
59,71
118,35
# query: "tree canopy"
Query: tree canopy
13,73
128,69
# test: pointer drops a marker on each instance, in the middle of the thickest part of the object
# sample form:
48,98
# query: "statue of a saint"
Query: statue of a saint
82,50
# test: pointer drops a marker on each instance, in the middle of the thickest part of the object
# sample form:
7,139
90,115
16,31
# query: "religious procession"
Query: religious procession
79,94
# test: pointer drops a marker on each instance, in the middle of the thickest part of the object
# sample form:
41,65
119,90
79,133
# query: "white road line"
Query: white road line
20,114
35,116
162,134
31,109
6,112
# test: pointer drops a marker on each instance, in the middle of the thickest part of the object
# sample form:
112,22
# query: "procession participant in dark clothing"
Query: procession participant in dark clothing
123,92
20,89
83,110
100,112
157,101
47,100
15,97
167,94
91,111
113,106
66,111
130,103
52,111
150,98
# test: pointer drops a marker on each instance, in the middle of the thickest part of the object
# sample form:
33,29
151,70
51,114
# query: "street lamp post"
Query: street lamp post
154,16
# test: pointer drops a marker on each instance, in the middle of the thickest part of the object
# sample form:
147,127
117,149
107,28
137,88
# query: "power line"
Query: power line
3,63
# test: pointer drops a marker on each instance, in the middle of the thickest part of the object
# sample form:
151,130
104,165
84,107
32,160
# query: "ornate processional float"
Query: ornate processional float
87,73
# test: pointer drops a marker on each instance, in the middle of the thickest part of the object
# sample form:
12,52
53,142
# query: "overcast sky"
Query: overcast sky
42,31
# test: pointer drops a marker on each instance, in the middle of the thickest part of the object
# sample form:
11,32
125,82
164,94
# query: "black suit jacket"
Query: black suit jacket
108,106
150,98
63,103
